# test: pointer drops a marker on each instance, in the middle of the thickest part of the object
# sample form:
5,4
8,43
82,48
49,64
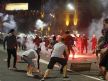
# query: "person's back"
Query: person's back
37,41
58,50
69,40
30,53
11,41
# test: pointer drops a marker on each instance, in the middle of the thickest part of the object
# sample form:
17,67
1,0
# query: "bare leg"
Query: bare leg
47,73
106,76
65,71
103,71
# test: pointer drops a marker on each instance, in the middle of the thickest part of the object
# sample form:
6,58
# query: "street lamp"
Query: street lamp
73,9
70,6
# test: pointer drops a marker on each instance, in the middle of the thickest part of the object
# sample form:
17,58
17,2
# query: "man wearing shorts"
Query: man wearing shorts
57,56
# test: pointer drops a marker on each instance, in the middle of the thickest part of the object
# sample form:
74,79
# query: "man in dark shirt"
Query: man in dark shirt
103,50
11,42
69,42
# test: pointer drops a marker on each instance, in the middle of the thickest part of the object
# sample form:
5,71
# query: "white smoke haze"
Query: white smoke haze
8,22
44,49
5,17
104,3
40,24
29,43
1,14
96,27
21,39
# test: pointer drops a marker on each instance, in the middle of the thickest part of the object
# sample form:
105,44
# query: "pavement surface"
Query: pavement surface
20,74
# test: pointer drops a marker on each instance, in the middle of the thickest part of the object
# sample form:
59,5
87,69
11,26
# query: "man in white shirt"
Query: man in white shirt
57,57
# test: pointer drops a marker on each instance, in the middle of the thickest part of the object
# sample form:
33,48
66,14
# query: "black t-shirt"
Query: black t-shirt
11,41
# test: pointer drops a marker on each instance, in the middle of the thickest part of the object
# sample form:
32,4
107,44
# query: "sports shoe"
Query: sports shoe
9,68
14,68
66,78
102,77
30,75
42,79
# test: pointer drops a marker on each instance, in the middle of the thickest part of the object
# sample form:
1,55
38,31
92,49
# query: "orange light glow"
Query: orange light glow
67,19
81,56
49,29
41,29
76,56
42,14
16,6
75,18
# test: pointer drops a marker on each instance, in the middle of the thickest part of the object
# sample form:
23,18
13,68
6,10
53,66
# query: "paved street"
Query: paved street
20,74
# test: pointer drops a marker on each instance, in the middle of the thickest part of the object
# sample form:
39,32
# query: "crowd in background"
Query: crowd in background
69,42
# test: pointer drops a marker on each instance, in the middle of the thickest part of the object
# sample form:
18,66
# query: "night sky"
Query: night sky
88,10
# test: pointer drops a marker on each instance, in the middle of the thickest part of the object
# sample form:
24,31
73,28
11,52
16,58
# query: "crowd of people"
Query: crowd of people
61,46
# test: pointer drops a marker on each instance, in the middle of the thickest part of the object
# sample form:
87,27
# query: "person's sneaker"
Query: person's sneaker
102,77
9,68
30,75
66,78
14,68
43,79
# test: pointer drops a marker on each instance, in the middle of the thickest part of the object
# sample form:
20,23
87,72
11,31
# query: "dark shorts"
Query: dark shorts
55,60
104,61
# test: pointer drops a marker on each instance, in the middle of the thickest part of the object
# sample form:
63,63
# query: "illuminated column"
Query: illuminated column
42,14
67,20
75,19
42,9
41,31
49,29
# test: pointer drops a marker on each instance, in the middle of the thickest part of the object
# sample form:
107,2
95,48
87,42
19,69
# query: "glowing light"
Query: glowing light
67,19
70,56
42,14
75,14
21,35
40,24
52,15
70,6
49,29
75,18
42,29
16,6
81,56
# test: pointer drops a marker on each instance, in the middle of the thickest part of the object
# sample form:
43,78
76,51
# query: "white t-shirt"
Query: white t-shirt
58,50
30,53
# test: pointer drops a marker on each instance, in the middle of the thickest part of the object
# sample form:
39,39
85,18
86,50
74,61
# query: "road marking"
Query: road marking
92,77
46,62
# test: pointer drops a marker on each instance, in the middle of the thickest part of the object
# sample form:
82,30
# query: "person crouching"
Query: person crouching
29,56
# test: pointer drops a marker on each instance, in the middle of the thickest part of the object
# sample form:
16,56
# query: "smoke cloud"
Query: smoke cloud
97,25
40,24
8,22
